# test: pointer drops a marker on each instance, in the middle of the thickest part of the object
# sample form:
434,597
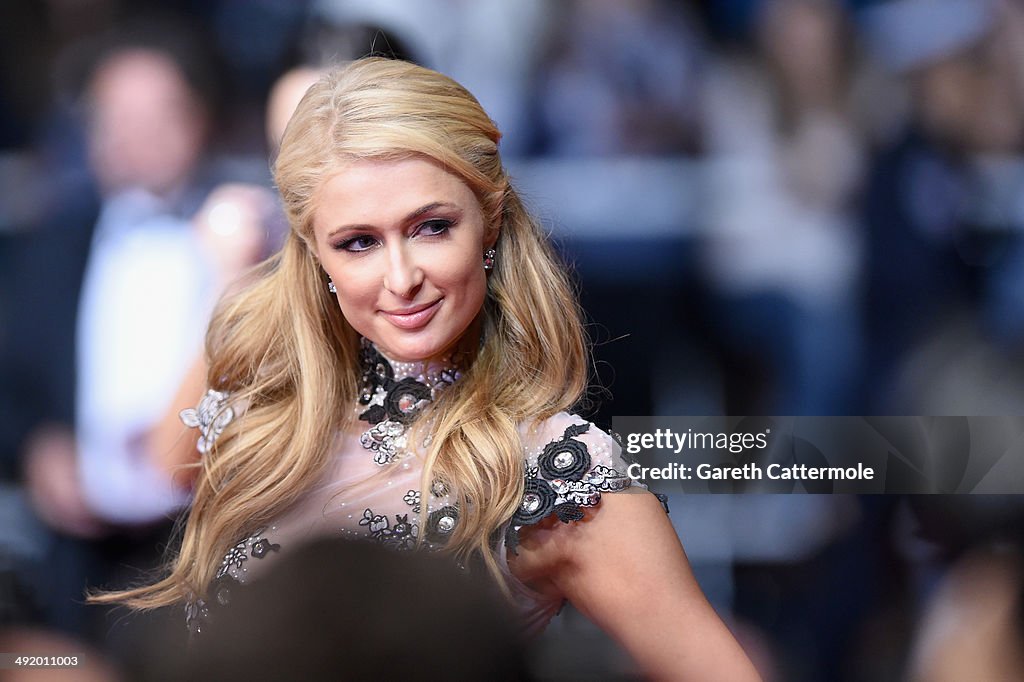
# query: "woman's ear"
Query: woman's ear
313,248
491,236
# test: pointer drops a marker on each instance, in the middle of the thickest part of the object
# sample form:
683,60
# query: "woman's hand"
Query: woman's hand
232,226
54,485
623,567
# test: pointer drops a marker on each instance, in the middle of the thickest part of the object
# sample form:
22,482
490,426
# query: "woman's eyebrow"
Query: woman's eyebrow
426,208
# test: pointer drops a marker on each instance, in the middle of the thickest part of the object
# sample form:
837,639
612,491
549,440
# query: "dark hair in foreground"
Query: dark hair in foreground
343,610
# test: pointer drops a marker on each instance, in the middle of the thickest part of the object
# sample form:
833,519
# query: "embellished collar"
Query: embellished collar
380,371
394,394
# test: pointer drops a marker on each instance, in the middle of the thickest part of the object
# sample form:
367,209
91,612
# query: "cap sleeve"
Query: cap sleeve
569,464
215,411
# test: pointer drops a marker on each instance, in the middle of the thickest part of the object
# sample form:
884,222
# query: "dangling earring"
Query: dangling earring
489,255
330,285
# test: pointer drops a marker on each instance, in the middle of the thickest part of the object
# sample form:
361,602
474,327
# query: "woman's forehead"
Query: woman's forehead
366,190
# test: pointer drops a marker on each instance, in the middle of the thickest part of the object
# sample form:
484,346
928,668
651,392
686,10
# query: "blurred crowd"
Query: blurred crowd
789,207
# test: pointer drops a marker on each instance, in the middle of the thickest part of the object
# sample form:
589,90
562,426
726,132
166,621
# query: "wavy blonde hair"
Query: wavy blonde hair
283,347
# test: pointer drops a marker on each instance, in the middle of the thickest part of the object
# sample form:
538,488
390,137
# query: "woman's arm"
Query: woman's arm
172,444
623,568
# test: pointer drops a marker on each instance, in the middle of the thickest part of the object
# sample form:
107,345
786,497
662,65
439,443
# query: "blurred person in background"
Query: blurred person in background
620,78
118,297
615,105
945,249
973,627
325,41
146,129
284,96
492,46
965,560
785,158
781,259
38,192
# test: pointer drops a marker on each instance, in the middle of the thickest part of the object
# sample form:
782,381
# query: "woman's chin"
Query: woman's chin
413,350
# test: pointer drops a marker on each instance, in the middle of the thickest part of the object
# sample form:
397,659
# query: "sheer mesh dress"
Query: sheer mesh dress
371,488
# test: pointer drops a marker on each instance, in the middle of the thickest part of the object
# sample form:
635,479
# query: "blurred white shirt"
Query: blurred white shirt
145,306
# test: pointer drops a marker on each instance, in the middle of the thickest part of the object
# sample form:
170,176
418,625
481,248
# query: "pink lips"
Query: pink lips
413,317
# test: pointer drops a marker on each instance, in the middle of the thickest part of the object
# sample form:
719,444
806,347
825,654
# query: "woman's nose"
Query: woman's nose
403,276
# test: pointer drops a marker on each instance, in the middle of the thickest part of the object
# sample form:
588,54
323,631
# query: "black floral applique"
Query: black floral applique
228,579
254,545
566,458
376,371
197,615
403,533
261,547
377,524
397,404
392,405
400,401
441,524
563,483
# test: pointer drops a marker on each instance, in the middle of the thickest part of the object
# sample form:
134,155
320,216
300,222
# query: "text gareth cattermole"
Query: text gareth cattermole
667,439
751,472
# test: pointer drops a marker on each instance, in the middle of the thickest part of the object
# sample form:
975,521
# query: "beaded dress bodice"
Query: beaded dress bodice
371,487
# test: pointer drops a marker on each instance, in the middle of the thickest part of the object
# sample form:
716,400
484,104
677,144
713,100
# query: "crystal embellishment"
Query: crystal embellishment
211,416
563,460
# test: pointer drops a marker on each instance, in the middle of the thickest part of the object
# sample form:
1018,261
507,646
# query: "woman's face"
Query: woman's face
403,241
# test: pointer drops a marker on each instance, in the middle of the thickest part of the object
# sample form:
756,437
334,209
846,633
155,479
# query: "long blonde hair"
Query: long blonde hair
283,348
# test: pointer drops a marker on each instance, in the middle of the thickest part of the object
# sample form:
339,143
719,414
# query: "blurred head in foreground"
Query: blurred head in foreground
340,610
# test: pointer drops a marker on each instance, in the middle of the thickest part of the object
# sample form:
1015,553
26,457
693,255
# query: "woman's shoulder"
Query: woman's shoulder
566,442
568,464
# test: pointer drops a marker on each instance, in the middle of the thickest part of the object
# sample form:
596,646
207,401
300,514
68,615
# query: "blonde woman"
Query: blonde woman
401,371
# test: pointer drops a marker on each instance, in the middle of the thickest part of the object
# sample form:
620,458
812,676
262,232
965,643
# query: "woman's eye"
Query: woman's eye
356,244
433,227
